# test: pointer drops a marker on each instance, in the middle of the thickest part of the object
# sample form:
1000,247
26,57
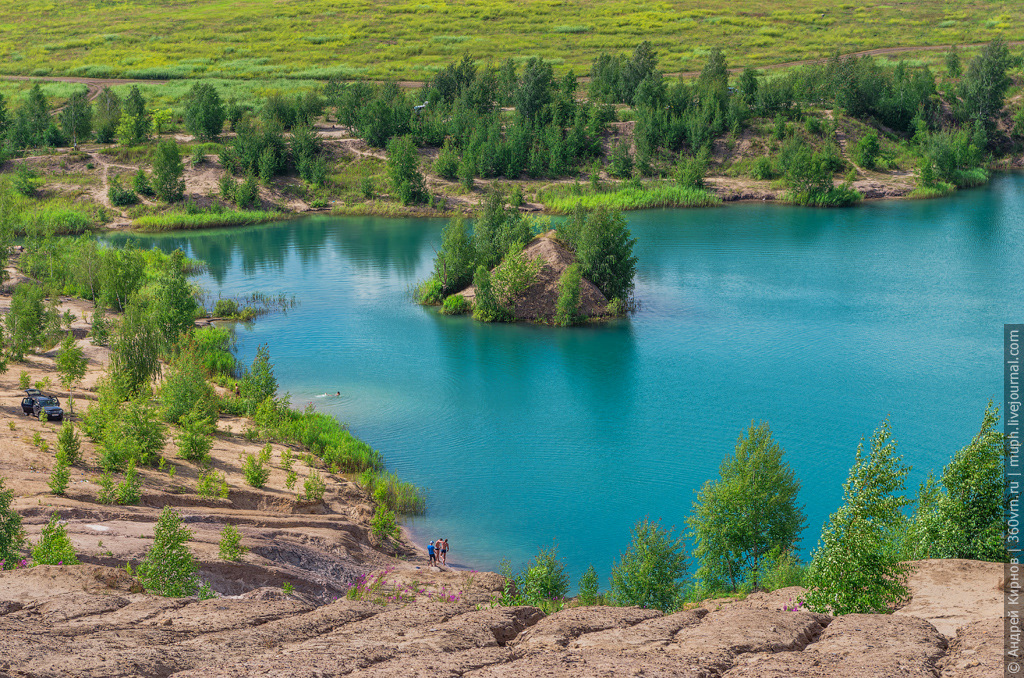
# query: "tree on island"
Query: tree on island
604,249
750,510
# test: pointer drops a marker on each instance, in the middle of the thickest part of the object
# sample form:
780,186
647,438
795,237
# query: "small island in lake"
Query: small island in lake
511,268
539,302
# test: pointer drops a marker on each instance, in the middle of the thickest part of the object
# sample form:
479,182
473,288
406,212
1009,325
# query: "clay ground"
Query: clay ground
89,620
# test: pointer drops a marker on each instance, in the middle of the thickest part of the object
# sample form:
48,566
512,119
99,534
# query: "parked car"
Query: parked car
34,405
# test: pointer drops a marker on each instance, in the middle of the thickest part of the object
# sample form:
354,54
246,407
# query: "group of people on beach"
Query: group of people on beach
437,552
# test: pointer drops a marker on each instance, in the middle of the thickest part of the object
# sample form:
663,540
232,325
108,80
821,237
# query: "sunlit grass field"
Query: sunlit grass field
318,39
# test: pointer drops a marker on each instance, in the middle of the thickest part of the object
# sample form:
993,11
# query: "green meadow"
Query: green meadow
320,39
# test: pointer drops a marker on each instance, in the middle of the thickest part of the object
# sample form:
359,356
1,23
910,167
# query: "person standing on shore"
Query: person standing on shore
431,558
444,551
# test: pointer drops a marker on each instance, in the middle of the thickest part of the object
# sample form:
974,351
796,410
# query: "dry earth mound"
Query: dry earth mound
91,620
539,300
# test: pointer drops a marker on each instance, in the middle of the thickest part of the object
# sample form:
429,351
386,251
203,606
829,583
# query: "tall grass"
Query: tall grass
184,40
57,214
632,198
401,497
971,178
939,190
838,196
183,221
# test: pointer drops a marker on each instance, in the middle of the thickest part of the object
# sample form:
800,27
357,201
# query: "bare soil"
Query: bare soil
91,620
539,300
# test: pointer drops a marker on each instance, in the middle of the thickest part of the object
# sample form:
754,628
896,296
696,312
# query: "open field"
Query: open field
319,39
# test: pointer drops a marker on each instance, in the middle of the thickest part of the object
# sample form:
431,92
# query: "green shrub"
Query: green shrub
287,458
399,496
11,534
756,488
542,580
383,524
455,304
24,380
247,193
225,308
231,544
313,487
141,184
185,390
106,494
258,382
516,197
213,485
129,490
868,149
213,346
227,186
366,186
567,306
60,476
119,195
430,292
588,587
650,572
54,547
168,169
621,162
195,439
26,180
407,182
264,454
690,171
616,308
68,443
169,568
780,570
964,515
256,475
131,432
99,332
763,169
290,479
447,163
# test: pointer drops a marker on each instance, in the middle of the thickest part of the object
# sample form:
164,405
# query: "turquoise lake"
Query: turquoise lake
821,322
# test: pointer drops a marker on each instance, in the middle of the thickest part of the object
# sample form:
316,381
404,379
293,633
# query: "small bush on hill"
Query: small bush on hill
54,547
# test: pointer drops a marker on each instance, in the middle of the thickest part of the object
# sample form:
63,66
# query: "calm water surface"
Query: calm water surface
820,322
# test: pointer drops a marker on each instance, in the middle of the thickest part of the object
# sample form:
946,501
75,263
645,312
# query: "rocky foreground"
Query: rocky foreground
91,620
